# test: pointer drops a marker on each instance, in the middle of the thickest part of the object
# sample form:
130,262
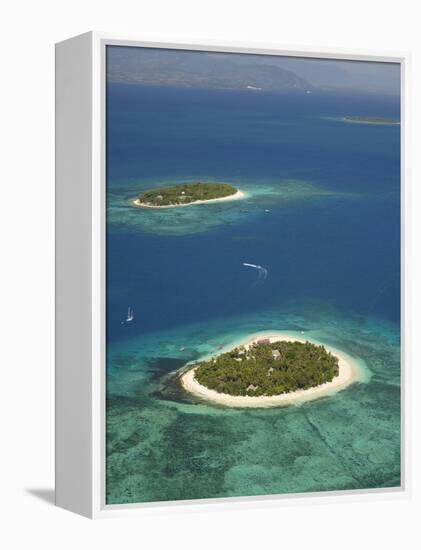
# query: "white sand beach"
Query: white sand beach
234,197
349,372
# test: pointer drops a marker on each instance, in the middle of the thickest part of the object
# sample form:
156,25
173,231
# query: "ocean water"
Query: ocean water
322,215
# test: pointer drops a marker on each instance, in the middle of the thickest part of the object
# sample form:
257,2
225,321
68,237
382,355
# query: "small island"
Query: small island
370,120
267,368
270,370
185,194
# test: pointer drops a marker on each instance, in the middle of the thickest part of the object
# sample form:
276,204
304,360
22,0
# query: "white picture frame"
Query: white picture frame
80,274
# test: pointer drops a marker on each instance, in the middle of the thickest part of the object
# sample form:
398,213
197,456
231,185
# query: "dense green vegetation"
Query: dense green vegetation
268,369
186,193
371,119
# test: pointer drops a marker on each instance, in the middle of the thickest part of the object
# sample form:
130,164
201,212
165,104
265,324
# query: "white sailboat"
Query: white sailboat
130,315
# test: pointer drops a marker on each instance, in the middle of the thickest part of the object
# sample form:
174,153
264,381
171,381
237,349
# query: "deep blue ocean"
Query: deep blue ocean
322,215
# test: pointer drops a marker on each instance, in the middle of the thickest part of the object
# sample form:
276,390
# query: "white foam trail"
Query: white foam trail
263,272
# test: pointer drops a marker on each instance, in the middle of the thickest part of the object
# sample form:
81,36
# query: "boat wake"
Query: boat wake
262,271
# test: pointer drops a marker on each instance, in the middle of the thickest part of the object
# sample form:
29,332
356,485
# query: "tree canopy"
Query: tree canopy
268,369
185,193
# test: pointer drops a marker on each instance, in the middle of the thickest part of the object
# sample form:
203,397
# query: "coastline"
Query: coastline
349,373
235,196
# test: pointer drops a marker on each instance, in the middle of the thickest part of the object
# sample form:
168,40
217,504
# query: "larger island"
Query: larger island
185,194
270,370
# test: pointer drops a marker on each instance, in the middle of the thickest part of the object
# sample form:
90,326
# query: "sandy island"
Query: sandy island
372,122
234,197
349,372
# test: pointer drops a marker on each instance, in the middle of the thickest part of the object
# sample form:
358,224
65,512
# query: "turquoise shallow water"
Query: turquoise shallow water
164,444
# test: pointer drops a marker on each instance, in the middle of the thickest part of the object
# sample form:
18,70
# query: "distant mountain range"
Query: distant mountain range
190,69
198,69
